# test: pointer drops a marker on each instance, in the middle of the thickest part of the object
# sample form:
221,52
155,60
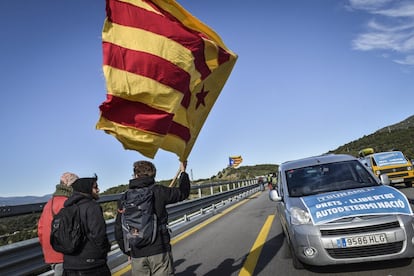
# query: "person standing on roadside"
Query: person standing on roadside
92,257
52,207
154,259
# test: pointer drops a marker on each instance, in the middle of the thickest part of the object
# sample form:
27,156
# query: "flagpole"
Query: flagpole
183,166
172,184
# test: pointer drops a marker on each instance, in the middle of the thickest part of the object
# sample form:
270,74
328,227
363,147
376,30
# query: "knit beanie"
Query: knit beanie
84,185
144,168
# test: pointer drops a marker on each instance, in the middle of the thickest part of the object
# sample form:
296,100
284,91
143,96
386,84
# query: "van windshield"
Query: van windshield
327,178
389,158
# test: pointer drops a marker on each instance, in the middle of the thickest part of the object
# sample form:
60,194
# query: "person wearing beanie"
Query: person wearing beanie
155,258
91,259
52,207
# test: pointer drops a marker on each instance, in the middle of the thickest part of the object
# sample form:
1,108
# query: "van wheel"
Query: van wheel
295,261
297,264
408,184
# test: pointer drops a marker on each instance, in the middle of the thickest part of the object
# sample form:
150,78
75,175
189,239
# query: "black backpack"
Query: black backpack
138,219
67,234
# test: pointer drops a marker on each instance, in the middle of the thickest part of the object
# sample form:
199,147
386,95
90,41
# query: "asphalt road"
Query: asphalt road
229,246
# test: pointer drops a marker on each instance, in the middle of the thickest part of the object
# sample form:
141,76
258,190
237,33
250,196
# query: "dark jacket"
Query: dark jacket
96,247
162,197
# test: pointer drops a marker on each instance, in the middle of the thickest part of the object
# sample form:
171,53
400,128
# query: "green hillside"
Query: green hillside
398,136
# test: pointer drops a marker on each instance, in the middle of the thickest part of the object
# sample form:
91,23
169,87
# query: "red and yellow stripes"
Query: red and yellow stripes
235,161
164,69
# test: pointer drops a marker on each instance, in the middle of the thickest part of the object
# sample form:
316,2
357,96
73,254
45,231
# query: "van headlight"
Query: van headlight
299,216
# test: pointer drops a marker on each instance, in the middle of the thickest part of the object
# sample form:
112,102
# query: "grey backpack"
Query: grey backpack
138,219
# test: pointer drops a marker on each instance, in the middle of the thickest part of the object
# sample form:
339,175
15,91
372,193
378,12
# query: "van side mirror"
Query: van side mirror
274,196
384,179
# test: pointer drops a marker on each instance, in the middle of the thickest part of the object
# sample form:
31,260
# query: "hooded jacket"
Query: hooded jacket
162,197
96,247
51,208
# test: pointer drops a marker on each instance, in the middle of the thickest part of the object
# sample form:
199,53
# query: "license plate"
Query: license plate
362,240
397,180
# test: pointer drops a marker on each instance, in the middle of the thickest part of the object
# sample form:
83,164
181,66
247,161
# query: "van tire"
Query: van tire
297,264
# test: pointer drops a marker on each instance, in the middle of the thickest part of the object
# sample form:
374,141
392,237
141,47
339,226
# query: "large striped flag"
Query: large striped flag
164,70
235,161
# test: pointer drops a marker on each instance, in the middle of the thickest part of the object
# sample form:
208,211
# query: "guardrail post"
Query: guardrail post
199,193
211,190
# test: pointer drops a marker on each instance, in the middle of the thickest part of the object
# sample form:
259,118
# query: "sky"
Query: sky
311,75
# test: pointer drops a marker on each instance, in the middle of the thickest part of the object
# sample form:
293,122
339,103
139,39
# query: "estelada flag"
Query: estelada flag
235,161
164,70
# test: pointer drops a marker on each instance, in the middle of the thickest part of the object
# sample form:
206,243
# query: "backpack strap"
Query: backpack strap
53,212
120,206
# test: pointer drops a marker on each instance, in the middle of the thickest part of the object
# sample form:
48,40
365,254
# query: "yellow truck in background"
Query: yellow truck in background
393,163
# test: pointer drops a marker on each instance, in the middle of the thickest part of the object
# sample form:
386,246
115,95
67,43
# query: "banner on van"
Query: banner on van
379,200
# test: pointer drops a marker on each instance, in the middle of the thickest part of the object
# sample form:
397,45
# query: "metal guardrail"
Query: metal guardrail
26,257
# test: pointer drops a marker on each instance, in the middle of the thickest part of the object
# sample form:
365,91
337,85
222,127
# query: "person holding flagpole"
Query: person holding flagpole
156,258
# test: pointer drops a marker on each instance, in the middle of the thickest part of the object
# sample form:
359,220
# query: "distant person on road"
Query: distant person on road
52,207
261,183
154,259
92,257
272,181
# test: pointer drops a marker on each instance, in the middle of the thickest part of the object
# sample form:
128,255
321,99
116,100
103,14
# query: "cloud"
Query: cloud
391,28
404,10
368,4
408,60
